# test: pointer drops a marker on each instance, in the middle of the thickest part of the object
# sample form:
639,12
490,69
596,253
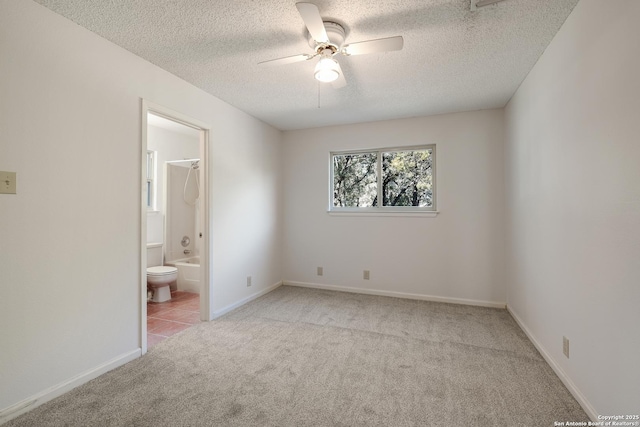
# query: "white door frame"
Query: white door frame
205,264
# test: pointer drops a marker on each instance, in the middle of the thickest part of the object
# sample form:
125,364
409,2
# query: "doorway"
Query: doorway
174,220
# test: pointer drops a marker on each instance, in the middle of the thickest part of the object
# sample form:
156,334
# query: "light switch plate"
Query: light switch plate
7,182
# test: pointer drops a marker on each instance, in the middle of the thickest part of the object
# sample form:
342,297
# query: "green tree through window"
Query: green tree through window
399,177
355,181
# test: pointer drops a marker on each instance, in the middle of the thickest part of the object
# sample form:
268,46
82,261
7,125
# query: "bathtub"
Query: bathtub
188,274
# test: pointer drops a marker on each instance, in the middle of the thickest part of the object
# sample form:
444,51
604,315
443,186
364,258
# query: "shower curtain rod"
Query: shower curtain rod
181,161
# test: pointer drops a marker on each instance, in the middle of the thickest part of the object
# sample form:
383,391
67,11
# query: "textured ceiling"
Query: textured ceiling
453,59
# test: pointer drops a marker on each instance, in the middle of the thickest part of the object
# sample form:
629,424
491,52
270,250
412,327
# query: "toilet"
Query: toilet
159,276
158,279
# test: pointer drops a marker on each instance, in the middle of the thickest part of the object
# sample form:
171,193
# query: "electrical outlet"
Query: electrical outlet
7,182
565,346
320,271
248,281
365,275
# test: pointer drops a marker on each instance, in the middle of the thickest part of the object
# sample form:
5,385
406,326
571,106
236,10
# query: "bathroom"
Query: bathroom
173,224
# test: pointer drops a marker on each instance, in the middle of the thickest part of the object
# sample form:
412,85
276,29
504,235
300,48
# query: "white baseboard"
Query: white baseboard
577,394
51,393
492,304
245,300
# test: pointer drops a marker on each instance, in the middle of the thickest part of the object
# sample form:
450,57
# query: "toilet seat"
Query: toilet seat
161,270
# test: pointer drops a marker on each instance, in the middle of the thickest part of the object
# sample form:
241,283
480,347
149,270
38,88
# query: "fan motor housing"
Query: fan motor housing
336,34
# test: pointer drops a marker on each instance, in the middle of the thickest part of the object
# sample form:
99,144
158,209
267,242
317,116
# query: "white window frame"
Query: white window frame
428,211
152,163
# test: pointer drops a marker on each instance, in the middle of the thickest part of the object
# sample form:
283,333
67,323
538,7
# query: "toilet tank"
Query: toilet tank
154,254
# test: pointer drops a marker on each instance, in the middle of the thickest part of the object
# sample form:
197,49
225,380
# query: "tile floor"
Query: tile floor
167,318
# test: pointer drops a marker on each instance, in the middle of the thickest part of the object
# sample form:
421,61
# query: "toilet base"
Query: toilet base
161,294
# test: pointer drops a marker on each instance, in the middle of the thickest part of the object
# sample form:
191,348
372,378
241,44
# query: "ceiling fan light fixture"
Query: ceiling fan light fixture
327,70
327,39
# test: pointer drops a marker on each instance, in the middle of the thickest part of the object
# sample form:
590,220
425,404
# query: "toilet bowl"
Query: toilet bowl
158,279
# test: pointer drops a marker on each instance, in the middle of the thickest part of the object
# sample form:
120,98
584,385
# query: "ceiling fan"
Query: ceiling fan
327,40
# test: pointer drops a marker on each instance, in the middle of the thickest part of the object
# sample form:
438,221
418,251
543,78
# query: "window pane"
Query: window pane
149,195
407,178
355,180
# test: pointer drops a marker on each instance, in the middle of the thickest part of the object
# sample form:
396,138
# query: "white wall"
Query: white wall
457,255
247,217
573,204
70,126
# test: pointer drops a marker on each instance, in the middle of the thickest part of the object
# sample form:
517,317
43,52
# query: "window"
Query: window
151,180
384,180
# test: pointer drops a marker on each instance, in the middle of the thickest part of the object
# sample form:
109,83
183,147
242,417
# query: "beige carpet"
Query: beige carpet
305,357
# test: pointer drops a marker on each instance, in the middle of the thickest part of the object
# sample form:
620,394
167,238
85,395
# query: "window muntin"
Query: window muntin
402,178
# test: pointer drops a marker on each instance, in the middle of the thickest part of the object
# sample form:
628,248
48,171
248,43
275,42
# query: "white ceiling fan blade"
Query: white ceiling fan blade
287,60
373,46
312,19
340,81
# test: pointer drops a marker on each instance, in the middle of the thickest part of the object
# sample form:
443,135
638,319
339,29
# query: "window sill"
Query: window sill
422,214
